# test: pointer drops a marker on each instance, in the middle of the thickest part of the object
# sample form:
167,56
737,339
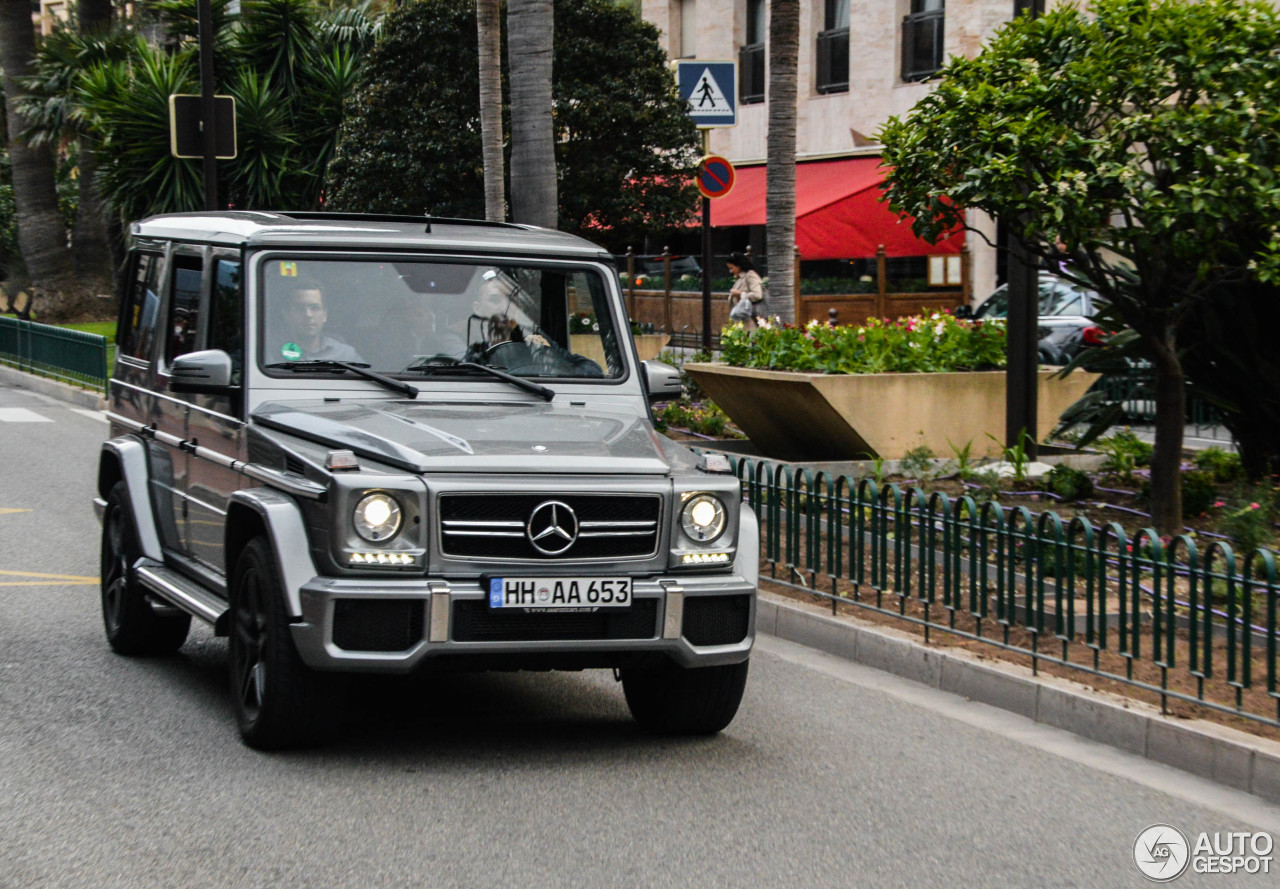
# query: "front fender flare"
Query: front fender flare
287,533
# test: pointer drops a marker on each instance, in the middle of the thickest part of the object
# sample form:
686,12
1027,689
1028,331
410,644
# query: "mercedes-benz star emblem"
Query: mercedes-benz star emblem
552,527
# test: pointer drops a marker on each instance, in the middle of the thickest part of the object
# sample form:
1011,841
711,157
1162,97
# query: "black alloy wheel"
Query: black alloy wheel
132,626
279,701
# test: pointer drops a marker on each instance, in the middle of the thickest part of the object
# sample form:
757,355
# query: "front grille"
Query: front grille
495,526
475,621
377,624
716,620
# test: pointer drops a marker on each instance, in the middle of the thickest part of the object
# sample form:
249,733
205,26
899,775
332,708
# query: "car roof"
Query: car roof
253,228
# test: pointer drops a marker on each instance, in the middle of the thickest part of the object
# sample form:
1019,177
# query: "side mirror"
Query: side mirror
207,371
662,381
964,311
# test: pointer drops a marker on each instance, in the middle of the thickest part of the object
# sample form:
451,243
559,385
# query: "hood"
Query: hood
522,437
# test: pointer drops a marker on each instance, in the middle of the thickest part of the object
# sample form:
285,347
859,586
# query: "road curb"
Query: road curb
86,398
1221,754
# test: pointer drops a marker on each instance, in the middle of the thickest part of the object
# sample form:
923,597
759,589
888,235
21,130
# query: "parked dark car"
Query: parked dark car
1067,317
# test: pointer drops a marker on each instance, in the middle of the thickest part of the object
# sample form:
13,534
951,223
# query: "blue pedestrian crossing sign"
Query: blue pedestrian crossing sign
710,89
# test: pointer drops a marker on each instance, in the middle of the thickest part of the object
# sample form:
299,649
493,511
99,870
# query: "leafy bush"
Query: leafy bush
1250,522
1125,452
917,463
704,419
1224,466
1198,492
1069,483
938,342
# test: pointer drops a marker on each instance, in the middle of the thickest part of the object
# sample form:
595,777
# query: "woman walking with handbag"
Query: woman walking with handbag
747,293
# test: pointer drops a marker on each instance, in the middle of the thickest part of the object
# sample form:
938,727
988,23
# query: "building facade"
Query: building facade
860,62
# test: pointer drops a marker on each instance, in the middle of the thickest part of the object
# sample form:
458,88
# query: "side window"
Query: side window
184,306
141,307
226,313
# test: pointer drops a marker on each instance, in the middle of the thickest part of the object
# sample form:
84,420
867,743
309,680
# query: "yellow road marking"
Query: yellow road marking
93,582
6,510
71,577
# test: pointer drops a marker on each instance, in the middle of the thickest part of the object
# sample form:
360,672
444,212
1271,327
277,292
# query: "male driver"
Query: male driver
305,317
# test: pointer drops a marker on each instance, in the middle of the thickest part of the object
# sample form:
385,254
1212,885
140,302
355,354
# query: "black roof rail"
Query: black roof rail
320,216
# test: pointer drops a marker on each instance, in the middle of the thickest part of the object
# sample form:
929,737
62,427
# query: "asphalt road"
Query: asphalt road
129,773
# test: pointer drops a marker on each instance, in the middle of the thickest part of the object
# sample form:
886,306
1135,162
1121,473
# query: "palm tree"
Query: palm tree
90,241
42,237
530,39
780,187
489,34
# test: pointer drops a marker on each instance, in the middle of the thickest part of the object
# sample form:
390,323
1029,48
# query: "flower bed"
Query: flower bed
881,389
936,343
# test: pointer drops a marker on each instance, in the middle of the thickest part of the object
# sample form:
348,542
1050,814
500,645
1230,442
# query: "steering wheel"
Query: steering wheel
494,354
438,360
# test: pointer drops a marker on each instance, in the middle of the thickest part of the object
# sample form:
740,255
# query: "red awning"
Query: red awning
838,211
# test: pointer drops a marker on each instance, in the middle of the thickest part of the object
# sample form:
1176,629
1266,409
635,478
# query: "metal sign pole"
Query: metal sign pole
209,118
706,256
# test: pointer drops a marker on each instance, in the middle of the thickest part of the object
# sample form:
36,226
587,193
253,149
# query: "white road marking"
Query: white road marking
21,415
92,415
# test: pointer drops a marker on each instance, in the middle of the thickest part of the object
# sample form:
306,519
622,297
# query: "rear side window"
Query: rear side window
141,307
184,307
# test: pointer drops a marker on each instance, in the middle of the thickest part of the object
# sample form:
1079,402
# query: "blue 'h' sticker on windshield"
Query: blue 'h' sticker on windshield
495,592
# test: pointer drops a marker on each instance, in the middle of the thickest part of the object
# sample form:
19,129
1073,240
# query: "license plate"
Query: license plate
559,593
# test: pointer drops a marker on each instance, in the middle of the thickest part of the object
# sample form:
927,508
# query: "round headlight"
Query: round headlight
377,517
703,518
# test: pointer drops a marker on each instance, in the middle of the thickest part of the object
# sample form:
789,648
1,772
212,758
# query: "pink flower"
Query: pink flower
1219,504
1254,506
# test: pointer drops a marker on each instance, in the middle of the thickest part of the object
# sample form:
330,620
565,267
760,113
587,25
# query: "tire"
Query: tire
133,627
677,700
279,701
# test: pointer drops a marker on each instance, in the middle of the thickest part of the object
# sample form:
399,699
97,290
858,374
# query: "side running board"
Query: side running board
185,594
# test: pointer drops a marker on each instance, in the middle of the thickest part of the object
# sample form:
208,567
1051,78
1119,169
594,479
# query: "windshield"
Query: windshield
1056,298
413,318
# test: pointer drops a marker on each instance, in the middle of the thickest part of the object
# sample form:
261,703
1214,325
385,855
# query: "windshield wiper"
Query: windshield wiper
359,369
439,364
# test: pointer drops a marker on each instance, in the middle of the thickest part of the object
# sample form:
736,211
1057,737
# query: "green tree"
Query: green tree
42,237
1144,136
625,147
290,64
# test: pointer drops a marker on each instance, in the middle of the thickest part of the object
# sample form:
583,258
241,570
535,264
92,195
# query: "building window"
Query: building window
751,56
688,29
833,48
922,32
1033,8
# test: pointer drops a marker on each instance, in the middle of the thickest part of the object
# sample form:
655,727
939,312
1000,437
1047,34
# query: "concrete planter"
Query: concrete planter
588,345
811,416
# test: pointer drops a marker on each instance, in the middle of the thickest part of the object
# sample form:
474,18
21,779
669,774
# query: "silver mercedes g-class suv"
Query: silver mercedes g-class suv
359,444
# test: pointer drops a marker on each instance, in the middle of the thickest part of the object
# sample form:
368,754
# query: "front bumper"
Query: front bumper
427,613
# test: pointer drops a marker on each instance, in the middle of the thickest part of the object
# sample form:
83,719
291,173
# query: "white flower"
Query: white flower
939,329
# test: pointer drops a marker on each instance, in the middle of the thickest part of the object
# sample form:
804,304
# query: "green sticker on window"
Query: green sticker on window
291,351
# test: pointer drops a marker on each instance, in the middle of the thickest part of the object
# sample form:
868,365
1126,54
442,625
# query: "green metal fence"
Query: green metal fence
1176,618
69,355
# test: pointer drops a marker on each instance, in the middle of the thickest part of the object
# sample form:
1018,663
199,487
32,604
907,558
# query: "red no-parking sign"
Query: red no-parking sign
715,176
